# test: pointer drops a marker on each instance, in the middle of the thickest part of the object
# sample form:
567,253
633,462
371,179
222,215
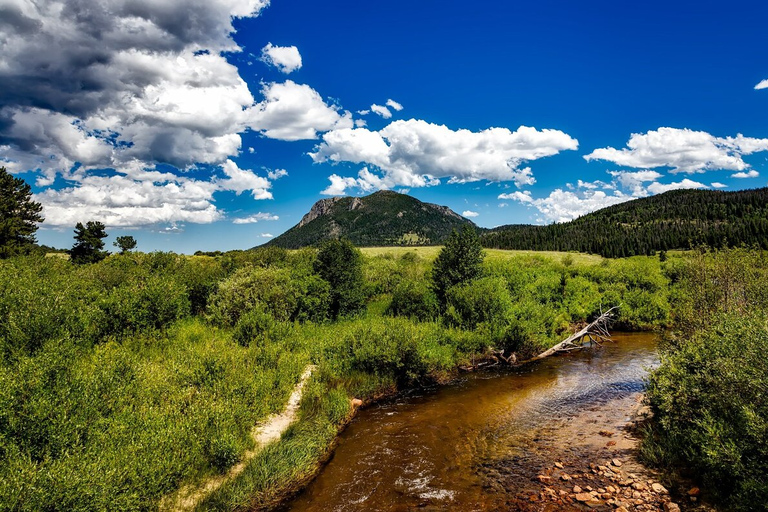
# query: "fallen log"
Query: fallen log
595,333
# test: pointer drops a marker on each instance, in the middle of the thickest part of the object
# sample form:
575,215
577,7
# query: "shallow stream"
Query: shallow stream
479,443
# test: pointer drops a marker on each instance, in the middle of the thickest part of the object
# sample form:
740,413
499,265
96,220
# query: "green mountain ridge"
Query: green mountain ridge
678,219
384,218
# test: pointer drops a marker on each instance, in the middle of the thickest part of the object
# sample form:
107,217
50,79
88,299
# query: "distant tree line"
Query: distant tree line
20,218
677,219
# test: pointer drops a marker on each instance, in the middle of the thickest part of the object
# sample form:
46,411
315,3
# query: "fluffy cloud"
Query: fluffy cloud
395,105
682,150
469,214
635,181
366,182
717,184
751,174
762,85
277,174
415,153
128,85
242,180
292,111
564,205
338,185
111,83
381,110
252,219
285,58
122,201
660,188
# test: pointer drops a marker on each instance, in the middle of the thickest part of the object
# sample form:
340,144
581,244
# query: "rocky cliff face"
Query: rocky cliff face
325,207
320,208
445,211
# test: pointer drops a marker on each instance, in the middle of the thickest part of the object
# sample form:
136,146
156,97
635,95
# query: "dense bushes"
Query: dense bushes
710,394
112,395
414,299
710,400
485,300
340,264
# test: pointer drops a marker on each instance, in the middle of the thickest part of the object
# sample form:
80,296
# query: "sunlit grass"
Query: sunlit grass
430,253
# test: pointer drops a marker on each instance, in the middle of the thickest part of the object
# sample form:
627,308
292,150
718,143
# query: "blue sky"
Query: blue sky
158,120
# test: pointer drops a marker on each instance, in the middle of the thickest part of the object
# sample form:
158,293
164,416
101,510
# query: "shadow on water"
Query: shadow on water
468,445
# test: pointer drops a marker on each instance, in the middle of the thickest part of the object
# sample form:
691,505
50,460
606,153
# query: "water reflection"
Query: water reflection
451,446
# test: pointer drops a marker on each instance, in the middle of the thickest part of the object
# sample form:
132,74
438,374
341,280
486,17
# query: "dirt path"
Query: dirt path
187,498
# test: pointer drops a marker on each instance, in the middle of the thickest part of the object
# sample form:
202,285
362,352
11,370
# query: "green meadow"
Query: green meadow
124,380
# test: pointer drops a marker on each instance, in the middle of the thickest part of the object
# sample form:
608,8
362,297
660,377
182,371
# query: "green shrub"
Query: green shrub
415,300
258,326
458,262
153,302
340,264
271,289
485,300
710,404
223,452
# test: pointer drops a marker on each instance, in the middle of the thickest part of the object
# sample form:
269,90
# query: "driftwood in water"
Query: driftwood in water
594,333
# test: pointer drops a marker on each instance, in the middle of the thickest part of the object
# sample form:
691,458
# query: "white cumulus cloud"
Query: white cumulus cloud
129,85
635,181
381,110
660,188
469,214
242,180
763,84
285,58
277,174
564,205
256,217
415,153
717,184
395,105
292,111
750,174
682,150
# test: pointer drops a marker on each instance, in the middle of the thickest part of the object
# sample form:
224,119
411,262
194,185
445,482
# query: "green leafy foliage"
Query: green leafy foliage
19,215
112,395
458,262
340,264
710,394
89,245
125,243
485,300
414,299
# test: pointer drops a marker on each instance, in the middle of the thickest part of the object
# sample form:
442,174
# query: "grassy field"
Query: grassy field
124,380
430,253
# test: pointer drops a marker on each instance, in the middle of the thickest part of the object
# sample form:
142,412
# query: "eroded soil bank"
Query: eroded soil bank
554,435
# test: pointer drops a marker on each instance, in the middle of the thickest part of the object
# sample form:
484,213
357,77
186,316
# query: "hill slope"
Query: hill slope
673,220
382,218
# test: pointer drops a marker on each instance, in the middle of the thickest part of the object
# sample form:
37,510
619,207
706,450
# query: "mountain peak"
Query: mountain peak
383,218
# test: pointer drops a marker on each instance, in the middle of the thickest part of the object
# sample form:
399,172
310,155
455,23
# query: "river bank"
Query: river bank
491,440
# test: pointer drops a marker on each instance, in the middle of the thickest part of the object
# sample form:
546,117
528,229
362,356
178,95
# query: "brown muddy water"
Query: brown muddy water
479,443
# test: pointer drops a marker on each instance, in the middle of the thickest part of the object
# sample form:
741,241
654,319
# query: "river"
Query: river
479,443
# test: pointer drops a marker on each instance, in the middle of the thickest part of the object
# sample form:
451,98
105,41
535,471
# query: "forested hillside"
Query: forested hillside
674,220
383,218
